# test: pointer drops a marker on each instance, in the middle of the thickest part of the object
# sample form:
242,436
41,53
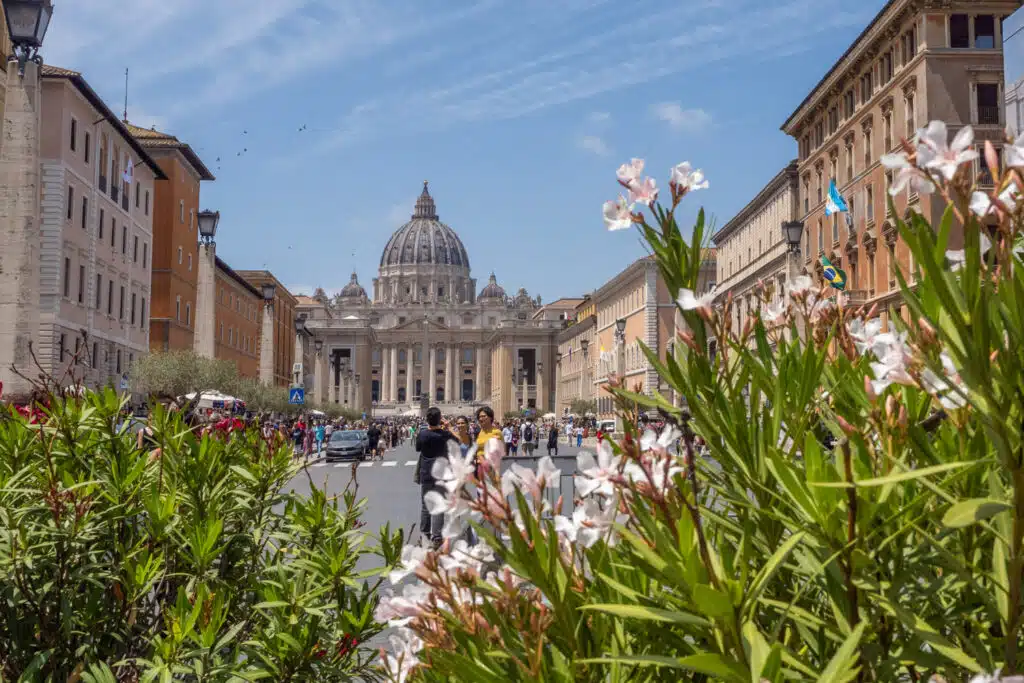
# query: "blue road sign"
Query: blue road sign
297,396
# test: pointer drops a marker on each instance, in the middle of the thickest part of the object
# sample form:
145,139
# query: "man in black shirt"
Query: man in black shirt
432,445
373,436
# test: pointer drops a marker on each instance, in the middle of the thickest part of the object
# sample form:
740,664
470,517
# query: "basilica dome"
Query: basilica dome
493,290
425,240
353,290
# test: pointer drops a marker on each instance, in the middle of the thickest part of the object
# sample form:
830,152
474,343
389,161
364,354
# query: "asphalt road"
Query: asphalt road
387,485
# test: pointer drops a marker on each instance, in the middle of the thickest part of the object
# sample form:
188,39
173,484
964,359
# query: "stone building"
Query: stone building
175,236
752,249
577,351
96,234
284,311
917,61
481,347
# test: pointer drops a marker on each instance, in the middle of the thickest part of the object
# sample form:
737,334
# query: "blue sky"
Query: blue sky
517,111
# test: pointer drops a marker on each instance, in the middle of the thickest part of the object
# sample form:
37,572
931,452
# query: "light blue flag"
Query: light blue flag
834,202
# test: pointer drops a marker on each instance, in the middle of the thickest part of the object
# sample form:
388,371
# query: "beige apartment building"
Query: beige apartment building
577,351
917,61
96,234
752,248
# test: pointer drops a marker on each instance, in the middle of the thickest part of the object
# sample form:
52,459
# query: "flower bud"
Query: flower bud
928,335
869,389
847,428
903,417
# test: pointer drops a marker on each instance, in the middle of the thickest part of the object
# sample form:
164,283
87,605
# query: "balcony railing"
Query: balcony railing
988,115
857,296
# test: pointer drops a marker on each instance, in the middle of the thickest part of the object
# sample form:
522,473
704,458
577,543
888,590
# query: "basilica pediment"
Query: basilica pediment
417,324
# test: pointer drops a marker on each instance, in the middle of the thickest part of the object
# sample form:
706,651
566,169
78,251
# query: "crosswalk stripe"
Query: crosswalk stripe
410,463
340,464
320,464
366,464
388,464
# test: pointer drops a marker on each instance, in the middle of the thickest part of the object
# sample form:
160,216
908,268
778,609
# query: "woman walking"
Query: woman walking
553,440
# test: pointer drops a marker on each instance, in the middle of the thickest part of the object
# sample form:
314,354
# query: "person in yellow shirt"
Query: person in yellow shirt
488,431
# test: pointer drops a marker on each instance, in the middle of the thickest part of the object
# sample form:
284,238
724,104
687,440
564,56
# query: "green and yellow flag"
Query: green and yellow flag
835,276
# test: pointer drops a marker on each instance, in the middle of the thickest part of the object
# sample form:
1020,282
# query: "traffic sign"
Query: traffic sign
297,396
124,382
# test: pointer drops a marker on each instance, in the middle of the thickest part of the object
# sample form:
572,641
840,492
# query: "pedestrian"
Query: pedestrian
506,437
462,433
373,437
553,440
528,434
579,437
432,446
321,433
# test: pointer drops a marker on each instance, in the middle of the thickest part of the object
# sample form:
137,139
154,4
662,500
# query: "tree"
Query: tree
173,374
582,407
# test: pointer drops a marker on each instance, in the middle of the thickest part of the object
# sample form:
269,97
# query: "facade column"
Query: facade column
478,378
299,378
542,402
393,379
20,226
204,340
449,374
433,373
267,344
318,377
385,366
410,354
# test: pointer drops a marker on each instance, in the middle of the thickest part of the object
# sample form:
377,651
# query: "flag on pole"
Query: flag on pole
834,202
836,276
129,172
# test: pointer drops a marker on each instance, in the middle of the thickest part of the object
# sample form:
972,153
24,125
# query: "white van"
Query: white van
606,426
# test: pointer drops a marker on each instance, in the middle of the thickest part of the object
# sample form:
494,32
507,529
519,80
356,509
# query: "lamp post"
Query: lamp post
541,402
318,377
298,368
620,364
557,380
267,336
204,341
27,21
356,395
793,232
585,347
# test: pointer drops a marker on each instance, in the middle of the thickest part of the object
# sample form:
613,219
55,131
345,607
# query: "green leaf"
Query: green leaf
841,667
708,663
967,512
914,474
649,613
712,602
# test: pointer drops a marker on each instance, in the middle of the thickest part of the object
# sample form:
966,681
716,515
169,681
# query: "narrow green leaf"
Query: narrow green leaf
649,613
712,602
841,668
967,512
914,474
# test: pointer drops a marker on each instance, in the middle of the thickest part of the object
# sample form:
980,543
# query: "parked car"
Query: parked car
350,444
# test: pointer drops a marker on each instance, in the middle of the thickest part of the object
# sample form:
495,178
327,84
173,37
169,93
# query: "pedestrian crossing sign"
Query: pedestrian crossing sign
296,396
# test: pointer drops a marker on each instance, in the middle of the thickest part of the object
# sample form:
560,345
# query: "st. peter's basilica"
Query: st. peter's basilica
484,347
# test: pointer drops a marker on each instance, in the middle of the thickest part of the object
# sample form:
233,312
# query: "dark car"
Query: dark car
347,445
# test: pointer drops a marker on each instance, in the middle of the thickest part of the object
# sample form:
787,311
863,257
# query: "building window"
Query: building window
887,132
146,203
110,298
909,44
113,230
835,228
987,99
88,144
984,32
95,355
145,254
821,238
807,194
849,163
190,261
74,134
67,277
99,231
849,103
959,31
71,202
138,193
869,203
133,309
819,187
124,240
62,346
81,284
118,365
886,67
867,87
188,314
181,212
911,115
222,332
191,217
177,309
142,314
85,213
867,148
99,290
179,255
871,274
120,305
135,249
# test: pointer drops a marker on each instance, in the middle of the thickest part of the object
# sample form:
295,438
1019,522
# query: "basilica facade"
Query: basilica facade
427,332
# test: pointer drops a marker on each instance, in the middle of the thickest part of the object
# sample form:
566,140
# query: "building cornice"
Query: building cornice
630,271
789,174
229,272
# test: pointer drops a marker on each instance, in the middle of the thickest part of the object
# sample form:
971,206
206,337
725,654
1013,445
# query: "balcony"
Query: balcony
988,116
856,297
103,183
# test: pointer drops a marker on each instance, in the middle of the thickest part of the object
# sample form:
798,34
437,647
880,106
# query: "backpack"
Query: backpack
528,433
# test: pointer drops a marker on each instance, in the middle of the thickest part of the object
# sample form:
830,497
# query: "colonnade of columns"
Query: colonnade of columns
452,373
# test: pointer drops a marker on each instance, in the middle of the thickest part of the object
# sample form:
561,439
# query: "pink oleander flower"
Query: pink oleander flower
643,191
618,214
596,476
945,158
684,178
628,173
404,655
412,558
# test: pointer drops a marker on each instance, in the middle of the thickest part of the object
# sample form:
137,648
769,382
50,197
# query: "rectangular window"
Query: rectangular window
110,297
62,346
146,203
74,134
867,87
959,32
819,188
835,228
81,284
71,202
124,240
99,227
177,310
95,355
821,237
67,277
181,212
911,115
988,103
145,254
99,290
113,230
120,306
138,193
88,144
142,316
135,249
118,366
867,148
984,32
85,213
849,163
133,308
869,203
188,314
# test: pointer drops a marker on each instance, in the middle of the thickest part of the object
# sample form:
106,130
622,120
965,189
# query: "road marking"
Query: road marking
320,464
340,464
366,464
389,464
410,463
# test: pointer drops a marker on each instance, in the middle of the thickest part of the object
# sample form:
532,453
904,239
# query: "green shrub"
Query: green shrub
857,512
188,559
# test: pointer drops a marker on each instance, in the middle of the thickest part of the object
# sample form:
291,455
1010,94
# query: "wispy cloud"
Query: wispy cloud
686,120
594,144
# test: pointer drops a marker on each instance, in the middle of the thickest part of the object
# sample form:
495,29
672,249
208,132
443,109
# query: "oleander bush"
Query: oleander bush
183,558
839,497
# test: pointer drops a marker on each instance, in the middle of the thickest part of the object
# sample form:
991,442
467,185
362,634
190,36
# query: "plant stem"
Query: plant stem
702,543
1014,571
851,534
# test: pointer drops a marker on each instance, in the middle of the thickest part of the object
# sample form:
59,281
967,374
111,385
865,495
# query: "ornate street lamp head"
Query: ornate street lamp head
620,325
300,324
793,231
208,221
27,21
319,346
585,345
268,292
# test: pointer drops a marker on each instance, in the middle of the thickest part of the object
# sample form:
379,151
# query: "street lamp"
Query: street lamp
208,221
300,324
620,327
27,21
268,291
793,232
318,344
584,345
